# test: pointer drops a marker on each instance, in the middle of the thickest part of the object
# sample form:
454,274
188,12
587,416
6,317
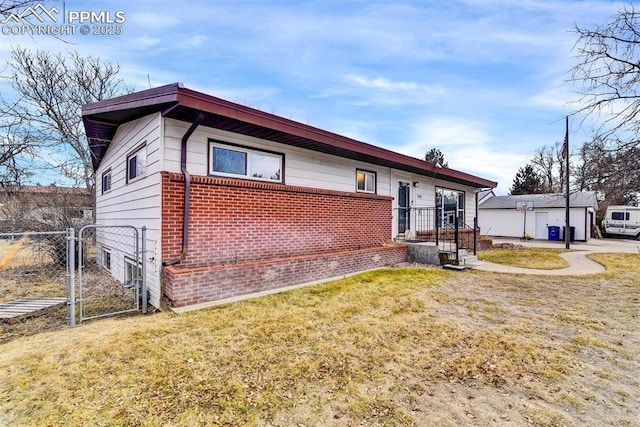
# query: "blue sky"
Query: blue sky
481,80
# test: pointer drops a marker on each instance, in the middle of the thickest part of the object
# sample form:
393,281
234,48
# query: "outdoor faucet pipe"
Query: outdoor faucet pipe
187,189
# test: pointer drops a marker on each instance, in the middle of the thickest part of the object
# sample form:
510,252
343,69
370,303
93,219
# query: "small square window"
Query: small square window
365,181
106,181
137,163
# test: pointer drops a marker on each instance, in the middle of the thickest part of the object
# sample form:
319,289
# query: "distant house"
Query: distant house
43,208
238,201
499,215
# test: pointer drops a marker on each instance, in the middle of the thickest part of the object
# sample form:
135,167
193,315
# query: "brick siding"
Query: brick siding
188,286
242,231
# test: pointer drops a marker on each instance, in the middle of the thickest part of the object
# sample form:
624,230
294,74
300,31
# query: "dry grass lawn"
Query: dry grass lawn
540,258
396,347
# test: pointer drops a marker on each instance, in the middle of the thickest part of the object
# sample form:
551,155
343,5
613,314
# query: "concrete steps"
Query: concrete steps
464,259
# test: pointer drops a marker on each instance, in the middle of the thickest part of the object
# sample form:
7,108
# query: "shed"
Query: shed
500,216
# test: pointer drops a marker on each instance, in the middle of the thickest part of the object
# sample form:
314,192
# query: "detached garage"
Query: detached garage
511,216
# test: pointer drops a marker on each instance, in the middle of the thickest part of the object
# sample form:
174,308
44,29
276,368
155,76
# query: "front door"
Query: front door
404,206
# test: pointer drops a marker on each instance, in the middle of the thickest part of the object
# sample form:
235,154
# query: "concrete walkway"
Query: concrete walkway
579,264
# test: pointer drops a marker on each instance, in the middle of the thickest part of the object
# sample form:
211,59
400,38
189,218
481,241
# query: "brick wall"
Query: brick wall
187,286
237,221
247,236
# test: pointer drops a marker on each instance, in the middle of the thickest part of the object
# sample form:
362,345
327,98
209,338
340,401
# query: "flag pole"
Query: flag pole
565,150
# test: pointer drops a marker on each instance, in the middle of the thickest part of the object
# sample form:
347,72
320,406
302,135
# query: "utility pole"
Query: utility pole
565,152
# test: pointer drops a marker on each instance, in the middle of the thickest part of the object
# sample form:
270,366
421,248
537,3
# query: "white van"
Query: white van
622,220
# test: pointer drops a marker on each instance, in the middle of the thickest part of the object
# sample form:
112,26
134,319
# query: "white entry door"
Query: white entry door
542,221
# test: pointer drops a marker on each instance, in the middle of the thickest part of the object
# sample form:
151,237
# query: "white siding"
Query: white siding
136,203
308,168
304,168
510,222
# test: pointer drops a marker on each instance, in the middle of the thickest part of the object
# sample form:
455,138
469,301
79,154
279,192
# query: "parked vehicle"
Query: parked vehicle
623,221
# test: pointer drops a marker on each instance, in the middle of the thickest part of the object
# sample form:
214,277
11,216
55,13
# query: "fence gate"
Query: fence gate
110,272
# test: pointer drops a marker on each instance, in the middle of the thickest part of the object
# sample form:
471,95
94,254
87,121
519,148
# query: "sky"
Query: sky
483,81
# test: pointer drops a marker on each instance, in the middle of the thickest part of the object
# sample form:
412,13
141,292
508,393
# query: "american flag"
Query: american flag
565,148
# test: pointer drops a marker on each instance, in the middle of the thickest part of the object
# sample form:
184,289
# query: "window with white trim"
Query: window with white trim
137,163
132,273
106,259
365,181
106,181
244,162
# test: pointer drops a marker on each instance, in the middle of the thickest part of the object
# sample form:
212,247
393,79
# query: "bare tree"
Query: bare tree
548,164
14,144
612,173
49,92
607,76
9,7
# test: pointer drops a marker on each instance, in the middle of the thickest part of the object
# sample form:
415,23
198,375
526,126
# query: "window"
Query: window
106,259
137,163
365,181
106,181
132,273
242,162
449,204
620,216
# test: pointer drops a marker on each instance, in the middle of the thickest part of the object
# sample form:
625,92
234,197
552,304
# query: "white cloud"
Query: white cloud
382,83
468,146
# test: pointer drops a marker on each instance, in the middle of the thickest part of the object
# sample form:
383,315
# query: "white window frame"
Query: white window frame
367,174
106,255
130,263
140,154
106,175
248,152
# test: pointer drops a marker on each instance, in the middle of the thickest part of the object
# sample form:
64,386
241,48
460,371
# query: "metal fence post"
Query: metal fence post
71,276
143,261
475,235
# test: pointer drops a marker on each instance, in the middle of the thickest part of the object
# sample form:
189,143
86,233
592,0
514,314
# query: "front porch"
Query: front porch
453,238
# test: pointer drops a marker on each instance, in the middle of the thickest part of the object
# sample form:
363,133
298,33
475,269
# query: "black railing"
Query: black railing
421,224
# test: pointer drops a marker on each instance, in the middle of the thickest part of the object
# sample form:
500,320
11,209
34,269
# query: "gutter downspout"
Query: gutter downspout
187,190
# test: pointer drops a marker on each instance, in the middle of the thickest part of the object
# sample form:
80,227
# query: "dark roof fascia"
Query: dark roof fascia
101,115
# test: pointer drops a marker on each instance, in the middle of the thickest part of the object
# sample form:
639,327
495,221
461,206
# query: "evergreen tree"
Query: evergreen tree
436,157
527,181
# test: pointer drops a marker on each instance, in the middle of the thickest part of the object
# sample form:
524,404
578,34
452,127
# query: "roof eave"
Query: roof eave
102,119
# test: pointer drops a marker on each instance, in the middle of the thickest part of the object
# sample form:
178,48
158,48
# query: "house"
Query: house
239,201
504,216
44,208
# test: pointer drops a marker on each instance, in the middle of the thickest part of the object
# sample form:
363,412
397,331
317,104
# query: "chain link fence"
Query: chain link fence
51,279
33,282
110,271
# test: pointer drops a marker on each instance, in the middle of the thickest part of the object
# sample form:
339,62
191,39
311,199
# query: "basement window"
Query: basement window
106,259
132,273
243,162
365,181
